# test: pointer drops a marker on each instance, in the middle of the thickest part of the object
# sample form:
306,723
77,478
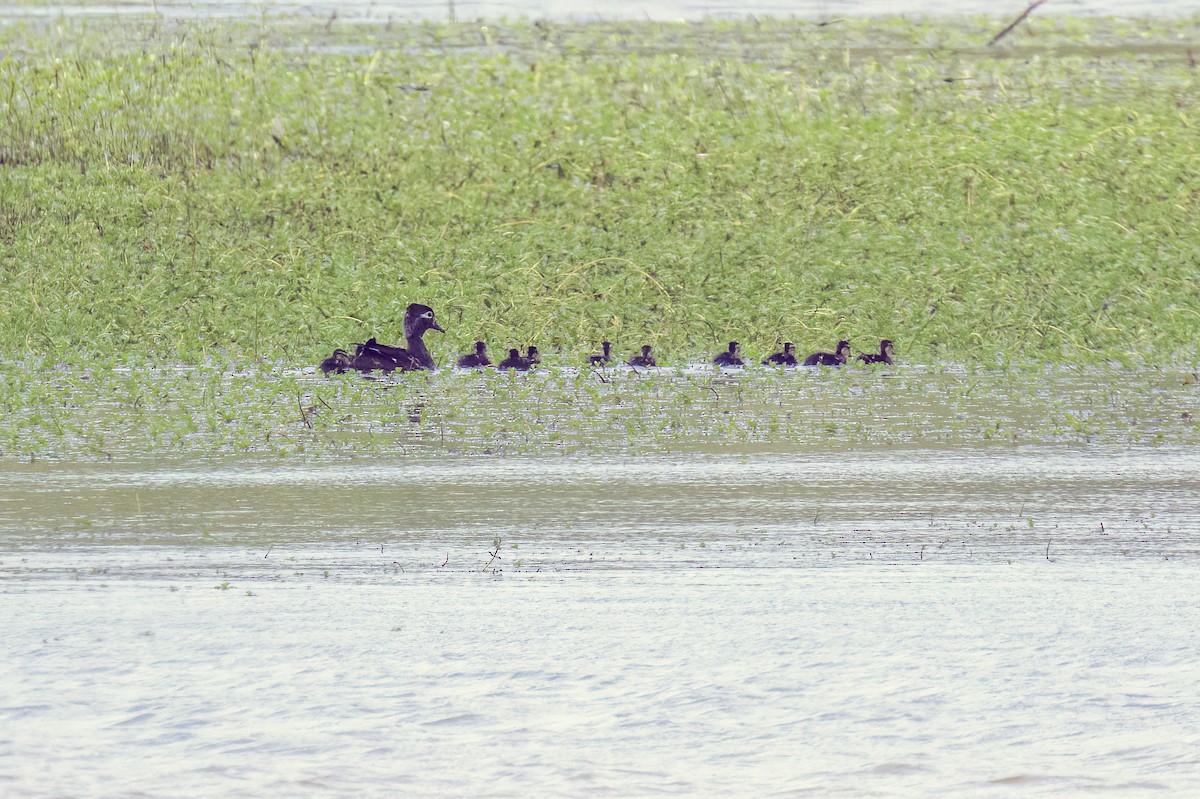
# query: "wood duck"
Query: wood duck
372,355
475,359
785,358
645,359
731,357
830,358
603,358
886,354
338,363
515,361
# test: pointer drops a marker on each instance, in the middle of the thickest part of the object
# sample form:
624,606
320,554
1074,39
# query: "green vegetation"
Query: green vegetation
189,211
228,190
123,414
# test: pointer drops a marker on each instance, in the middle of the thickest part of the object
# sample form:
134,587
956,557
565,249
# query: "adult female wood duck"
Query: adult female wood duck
516,361
604,357
731,356
475,359
887,354
785,358
645,359
830,358
372,355
338,363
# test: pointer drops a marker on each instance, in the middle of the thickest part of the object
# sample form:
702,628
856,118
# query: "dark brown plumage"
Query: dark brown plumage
645,359
516,361
731,356
475,359
338,363
604,357
837,358
372,355
785,358
887,354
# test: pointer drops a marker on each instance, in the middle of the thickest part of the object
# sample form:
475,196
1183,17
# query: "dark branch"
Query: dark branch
1015,22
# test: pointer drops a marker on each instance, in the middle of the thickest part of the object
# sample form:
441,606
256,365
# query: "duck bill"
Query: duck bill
433,325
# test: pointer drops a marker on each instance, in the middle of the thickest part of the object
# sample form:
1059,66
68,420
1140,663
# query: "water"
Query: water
916,621
381,10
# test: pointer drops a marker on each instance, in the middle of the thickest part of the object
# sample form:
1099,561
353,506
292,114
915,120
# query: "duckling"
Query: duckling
645,359
830,358
730,357
372,355
515,361
886,354
478,358
338,363
785,358
603,358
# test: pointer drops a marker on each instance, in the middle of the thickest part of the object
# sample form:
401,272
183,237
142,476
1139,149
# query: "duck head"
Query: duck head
789,348
339,361
885,348
645,350
480,348
419,318
733,347
606,346
533,355
843,350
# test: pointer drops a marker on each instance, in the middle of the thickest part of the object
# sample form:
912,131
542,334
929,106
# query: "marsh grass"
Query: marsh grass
200,191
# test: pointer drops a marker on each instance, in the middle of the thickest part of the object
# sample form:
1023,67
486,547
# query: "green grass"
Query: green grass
229,190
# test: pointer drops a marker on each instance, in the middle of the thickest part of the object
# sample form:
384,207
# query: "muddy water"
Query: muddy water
751,509
895,621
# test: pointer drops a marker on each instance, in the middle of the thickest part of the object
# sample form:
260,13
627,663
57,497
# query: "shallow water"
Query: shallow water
603,9
916,621
117,415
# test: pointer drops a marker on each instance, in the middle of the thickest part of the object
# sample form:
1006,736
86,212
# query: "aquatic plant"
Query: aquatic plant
263,410
229,190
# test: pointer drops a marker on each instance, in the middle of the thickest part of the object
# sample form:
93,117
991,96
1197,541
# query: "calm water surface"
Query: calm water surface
1004,621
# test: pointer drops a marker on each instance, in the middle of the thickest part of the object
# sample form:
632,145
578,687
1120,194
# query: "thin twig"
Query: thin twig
1015,22
303,413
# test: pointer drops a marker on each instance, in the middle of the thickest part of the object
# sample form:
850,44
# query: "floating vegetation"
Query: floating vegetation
122,412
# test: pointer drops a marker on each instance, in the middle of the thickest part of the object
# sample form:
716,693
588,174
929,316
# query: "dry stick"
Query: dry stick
1015,22
494,553
303,413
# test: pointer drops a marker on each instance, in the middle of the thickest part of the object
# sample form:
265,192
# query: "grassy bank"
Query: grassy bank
228,189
